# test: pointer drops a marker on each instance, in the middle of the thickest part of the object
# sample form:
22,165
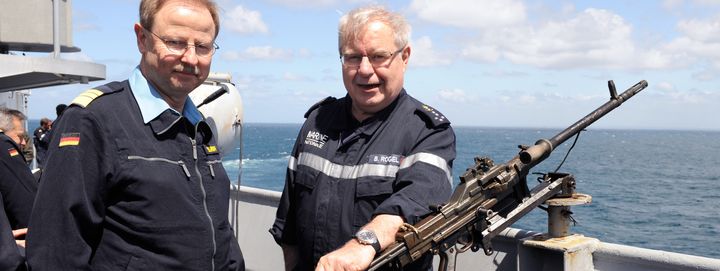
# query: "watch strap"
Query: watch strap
376,246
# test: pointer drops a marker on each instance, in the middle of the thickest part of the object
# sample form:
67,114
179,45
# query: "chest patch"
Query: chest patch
384,159
13,152
316,139
211,149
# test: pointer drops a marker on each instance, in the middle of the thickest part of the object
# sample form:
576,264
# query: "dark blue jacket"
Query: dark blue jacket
17,184
343,172
119,194
10,257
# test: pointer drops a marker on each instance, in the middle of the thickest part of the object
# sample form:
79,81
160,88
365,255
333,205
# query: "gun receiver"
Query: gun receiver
490,198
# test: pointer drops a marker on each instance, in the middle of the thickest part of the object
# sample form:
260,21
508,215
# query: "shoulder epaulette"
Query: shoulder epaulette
85,98
319,104
432,116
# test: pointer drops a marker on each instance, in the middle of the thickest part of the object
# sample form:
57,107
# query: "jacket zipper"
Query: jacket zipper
205,206
158,159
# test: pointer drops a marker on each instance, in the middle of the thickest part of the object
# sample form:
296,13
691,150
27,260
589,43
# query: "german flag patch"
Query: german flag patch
13,152
69,139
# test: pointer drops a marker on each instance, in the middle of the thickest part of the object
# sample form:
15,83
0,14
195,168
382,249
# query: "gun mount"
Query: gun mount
490,198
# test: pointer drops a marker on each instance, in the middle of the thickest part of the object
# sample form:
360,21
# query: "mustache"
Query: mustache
187,69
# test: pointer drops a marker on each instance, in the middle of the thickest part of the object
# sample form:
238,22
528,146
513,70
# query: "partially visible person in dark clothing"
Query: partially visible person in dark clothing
11,249
40,145
17,190
17,184
59,109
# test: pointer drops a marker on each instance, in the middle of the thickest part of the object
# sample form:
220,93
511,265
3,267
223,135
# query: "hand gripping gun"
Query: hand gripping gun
490,198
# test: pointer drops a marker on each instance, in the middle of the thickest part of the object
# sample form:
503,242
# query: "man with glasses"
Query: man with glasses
133,179
17,184
365,164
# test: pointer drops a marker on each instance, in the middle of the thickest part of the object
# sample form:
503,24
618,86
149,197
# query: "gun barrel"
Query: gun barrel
542,148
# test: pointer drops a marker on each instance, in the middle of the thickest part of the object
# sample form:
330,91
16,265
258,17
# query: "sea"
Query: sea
656,189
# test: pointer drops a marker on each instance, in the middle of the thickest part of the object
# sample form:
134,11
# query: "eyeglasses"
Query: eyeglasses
179,47
378,59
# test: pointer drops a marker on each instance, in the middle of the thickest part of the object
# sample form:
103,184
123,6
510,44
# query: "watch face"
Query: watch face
366,237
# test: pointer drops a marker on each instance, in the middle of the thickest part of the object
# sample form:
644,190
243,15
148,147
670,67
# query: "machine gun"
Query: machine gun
490,198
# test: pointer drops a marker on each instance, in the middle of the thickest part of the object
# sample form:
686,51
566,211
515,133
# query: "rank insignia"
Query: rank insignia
437,116
85,98
13,152
69,139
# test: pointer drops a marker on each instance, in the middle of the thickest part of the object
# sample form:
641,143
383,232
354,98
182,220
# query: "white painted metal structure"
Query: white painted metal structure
37,26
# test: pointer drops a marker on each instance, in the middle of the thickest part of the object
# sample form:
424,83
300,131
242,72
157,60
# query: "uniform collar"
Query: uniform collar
369,125
151,103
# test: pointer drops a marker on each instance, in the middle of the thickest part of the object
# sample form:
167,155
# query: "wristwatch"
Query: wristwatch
368,237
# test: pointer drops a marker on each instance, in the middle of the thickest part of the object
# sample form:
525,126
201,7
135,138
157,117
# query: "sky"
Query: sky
491,63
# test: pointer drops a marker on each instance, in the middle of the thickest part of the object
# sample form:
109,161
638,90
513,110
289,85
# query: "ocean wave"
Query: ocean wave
248,162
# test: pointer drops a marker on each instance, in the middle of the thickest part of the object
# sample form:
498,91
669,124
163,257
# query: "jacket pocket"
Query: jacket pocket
369,194
306,180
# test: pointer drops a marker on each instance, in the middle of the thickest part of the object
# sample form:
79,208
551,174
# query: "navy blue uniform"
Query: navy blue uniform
343,172
120,194
10,257
17,184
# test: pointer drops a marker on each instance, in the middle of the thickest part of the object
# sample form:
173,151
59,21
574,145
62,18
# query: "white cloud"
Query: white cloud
423,54
665,86
454,95
706,74
594,38
547,98
267,52
526,99
674,4
671,4
471,13
481,52
703,31
289,76
259,53
244,21
507,73
699,43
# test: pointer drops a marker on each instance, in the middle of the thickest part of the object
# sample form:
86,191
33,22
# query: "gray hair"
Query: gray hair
356,20
6,118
